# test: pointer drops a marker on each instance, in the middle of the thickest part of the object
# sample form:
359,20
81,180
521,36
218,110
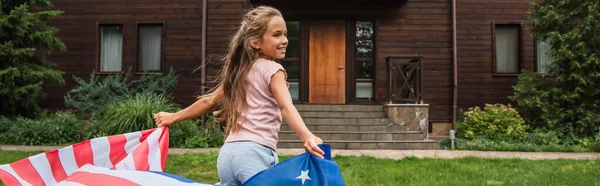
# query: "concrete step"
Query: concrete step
342,114
356,135
366,108
370,144
346,121
329,127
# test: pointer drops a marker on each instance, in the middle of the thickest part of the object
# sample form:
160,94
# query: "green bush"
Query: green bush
538,137
484,144
5,124
133,113
180,132
211,136
187,134
595,144
566,101
494,121
58,129
90,96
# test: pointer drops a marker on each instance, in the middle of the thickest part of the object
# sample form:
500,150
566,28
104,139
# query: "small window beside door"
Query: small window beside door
150,47
364,60
111,48
291,62
507,49
543,56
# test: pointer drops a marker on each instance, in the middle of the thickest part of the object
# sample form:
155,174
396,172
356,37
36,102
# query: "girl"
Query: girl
253,94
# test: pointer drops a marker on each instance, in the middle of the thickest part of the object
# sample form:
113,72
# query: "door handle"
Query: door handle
340,67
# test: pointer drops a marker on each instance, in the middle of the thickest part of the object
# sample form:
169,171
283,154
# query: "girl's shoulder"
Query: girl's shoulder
266,64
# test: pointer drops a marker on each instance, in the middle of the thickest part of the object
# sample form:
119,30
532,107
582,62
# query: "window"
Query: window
111,48
291,62
506,49
544,57
150,47
364,60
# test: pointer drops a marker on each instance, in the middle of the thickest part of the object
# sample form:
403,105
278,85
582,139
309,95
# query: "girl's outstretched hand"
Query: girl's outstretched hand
310,145
165,119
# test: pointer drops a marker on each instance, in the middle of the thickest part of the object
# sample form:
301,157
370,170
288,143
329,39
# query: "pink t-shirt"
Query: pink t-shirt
263,116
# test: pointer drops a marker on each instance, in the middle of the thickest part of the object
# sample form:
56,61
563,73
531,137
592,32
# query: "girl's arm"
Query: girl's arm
291,115
198,108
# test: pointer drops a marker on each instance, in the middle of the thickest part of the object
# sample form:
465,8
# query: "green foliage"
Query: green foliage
133,113
58,129
595,144
90,96
484,144
569,101
5,124
187,134
180,132
210,136
494,121
25,40
534,101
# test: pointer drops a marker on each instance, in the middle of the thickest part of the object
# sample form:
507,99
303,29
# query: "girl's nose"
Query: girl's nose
285,40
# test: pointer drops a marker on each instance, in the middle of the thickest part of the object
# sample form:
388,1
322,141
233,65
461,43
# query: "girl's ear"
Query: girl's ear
254,44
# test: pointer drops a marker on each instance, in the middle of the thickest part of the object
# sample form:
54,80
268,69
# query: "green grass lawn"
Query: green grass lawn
412,171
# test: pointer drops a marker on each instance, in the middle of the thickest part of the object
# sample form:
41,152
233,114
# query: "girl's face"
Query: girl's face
274,41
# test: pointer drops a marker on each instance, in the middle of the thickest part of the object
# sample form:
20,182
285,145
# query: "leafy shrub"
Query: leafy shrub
210,136
187,134
90,96
537,137
58,129
5,124
133,113
484,144
595,145
494,121
155,83
180,132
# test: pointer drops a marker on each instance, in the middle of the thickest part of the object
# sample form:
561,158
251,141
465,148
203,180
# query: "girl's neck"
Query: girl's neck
268,58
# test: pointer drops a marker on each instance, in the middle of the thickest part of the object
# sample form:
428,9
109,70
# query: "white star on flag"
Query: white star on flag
303,176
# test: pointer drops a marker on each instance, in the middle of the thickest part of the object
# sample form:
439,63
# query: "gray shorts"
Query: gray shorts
239,161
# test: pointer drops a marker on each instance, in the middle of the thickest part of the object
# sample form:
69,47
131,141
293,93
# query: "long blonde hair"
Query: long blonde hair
230,92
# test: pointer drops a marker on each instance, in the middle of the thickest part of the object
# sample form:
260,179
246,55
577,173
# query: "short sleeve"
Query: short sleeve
271,69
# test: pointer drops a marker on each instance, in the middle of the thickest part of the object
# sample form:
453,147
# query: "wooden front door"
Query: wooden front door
327,59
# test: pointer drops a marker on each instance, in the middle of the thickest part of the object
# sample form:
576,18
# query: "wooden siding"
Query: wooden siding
416,28
477,83
182,22
222,20
420,28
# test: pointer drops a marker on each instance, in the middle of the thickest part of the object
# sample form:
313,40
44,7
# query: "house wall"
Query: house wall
477,83
416,28
182,49
420,28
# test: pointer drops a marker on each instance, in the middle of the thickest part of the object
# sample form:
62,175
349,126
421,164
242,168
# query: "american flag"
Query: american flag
139,158
141,151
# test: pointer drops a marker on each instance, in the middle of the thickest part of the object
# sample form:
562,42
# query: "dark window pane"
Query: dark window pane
364,70
292,69
364,48
364,29
293,49
293,28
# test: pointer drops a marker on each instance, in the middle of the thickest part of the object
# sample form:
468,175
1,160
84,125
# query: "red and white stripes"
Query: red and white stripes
143,150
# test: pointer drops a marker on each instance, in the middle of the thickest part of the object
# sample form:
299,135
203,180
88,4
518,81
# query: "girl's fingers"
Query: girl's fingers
314,151
317,149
